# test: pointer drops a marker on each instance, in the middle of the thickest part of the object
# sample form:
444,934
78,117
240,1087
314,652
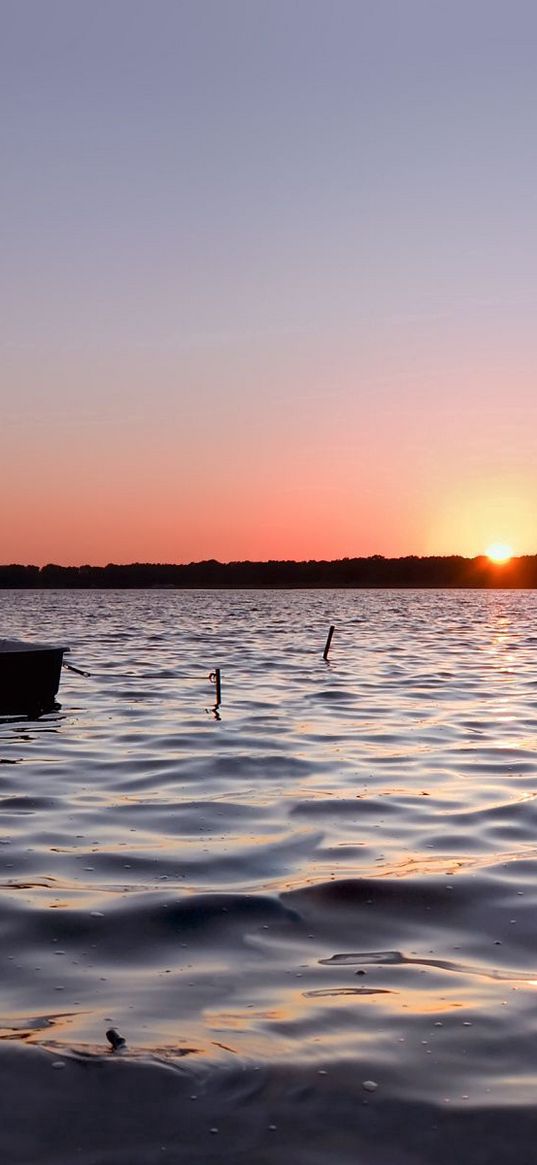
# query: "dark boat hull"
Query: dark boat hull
29,678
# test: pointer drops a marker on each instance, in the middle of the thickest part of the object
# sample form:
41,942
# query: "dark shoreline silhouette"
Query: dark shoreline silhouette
376,571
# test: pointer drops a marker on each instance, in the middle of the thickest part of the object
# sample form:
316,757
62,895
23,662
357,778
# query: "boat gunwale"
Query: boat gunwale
22,647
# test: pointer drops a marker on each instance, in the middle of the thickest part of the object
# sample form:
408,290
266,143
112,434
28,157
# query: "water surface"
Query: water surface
329,880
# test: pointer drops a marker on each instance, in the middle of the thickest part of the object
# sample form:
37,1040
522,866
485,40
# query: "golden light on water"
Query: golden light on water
499,552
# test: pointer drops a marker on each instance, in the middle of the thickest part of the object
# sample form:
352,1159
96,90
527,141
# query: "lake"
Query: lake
310,912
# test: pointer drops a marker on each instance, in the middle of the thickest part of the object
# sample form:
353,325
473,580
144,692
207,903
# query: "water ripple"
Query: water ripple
188,874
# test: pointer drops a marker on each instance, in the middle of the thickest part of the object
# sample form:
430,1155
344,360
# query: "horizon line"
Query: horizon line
51,565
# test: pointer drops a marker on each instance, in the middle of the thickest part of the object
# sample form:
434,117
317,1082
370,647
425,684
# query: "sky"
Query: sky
268,279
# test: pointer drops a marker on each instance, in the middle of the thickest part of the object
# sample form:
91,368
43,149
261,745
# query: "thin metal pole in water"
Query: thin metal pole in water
328,642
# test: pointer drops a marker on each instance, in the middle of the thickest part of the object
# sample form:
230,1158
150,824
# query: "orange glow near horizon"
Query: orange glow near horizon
257,476
493,514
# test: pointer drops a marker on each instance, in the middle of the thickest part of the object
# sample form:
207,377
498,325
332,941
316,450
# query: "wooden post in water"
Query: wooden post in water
328,642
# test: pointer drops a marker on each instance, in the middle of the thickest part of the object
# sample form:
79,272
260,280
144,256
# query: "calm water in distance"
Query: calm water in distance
333,883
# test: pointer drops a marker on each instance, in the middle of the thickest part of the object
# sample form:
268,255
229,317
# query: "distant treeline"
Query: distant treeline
376,571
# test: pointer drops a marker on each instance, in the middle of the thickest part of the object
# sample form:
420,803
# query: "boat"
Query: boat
29,677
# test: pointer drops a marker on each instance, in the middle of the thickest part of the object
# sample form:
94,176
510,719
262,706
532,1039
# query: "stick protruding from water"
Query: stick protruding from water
328,642
215,678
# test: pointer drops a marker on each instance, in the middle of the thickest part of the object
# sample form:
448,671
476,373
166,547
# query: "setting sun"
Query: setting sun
499,552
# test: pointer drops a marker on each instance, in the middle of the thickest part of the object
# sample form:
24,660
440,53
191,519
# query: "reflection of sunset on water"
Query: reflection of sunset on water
335,879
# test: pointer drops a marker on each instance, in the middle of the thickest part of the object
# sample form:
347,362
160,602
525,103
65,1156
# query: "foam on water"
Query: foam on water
331,883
